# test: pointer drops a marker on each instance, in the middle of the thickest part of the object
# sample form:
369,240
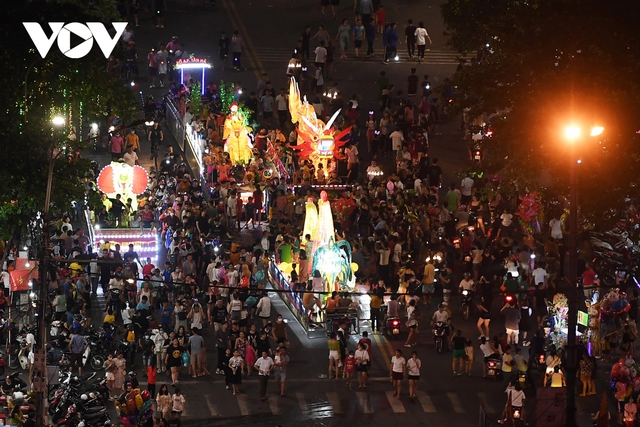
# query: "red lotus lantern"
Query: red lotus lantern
119,178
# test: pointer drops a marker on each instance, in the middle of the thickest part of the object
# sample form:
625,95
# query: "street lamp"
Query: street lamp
572,134
58,121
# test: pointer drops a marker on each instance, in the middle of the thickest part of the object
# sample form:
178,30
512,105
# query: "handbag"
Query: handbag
185,358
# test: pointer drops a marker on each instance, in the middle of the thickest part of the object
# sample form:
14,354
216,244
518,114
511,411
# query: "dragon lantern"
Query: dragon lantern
317,141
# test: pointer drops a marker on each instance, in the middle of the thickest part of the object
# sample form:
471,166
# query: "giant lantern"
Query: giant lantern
120,178
317,141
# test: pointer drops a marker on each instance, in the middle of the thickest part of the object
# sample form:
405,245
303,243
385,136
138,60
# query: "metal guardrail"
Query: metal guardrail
174,123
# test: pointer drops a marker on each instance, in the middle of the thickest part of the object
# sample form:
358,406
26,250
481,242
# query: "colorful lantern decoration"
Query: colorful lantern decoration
530,212
236,135
120,178
317,141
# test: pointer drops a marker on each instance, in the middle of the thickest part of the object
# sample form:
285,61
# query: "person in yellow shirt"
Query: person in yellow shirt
376,315
109,317
132,140
428,282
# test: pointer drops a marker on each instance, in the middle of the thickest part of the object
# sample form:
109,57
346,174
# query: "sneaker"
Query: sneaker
161,26
161,84
407,345
157,26
152,86
227,388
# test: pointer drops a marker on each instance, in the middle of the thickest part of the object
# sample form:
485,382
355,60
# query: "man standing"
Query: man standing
410,38
236,49
223,49
282,102
366,10
264,365
466,188
281,363
130,157
306,41
428,279
321,56
421,40
153,67
196,346
512,316
77,345
161,59
222,342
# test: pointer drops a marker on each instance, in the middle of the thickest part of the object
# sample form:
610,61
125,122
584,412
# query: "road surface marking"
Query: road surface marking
455,402
302,403
365,404
381,347
212,408
395,403
249,53
273,405
243,403
425,401
488,408
335,402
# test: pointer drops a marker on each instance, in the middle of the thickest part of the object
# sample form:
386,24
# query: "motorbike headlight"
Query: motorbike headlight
465,292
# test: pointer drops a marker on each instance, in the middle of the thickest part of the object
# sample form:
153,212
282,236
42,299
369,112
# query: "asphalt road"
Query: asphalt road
270,30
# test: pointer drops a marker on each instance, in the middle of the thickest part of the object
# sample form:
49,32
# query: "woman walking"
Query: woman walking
120,371
484,319
344,32
174,360
586,371
241,347
398,371
362,365
413,367
178,402
334,355
236,364
163,402
110,368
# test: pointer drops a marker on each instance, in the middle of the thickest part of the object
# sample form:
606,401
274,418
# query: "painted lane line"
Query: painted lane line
365,404
273,405
212,408
487,407
243,403
455,402
302,403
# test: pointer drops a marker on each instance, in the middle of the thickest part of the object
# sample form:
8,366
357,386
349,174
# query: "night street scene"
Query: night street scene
320,213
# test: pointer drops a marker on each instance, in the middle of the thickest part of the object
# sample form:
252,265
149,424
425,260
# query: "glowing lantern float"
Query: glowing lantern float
120,178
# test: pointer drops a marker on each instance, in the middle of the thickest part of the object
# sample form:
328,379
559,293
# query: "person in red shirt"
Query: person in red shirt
146,217
151,376
589,277
366,341
147,270
350,367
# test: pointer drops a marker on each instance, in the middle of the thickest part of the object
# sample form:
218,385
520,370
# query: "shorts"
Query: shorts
147,224
362,368
397,376
457,354
267,114
357,43
75,360
414,377
512,331
428,288
153,71
111,376
280,376
334,354
194,359
235,315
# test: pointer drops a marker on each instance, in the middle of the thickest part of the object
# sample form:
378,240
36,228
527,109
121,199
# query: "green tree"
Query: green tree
34,91
549,64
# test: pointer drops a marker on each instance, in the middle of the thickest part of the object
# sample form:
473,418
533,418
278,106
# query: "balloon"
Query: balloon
131,405
629,362
354,267
133,419
149,412
390,186
185,358
260,275
138,401
629,390
145,395
632,373
125,421
145,406
613,385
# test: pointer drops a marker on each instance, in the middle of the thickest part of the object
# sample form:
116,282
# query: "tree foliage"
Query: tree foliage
35,90
549,64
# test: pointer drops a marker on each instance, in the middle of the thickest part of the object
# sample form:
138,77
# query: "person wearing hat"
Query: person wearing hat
467,283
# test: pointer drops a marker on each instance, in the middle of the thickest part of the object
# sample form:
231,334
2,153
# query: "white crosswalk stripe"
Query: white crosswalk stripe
211,406
394,401
302,403
441,57
335,402
425,401
365,403
338,403
455,402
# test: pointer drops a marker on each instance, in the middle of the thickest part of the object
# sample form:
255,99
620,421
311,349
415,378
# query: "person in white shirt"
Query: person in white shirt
397,372
397,138
517,400
321,55
263,309
282,104
264,243
421,40
264,365
506,225
130,157
467,284
556,228
413,368
539,275
232,210
466,187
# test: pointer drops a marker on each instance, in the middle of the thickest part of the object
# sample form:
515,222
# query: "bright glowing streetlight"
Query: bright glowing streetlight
572,132
58,121
596,130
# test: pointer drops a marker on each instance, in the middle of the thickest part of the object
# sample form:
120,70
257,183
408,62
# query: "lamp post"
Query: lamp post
57,121
572,134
